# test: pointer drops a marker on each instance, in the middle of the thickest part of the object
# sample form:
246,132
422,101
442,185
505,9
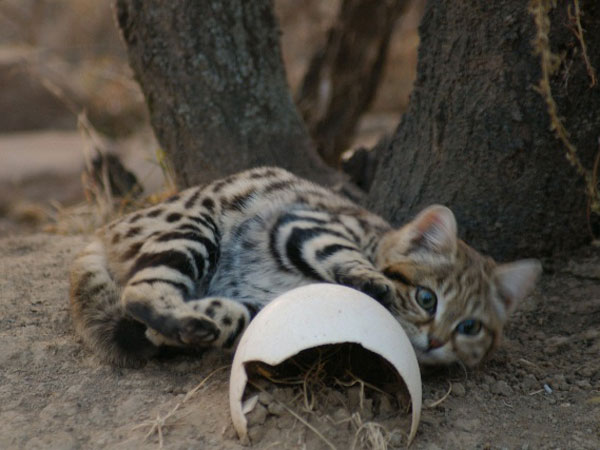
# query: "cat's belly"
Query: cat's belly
247,269
257,286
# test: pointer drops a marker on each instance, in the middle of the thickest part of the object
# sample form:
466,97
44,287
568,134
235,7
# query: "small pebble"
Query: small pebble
354,397
339,415
284,395
585,384
587,371
276,409
467,424
458,389
285,422
257,416
367,411
256,434
265,398
501,388
229,433
488,379
385,406
530,383
429,420
560,382
396,439
547,388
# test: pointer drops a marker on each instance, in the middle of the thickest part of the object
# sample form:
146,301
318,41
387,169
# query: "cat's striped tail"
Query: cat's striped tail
98,315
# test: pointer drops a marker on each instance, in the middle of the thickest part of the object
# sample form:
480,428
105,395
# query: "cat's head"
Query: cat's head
452,301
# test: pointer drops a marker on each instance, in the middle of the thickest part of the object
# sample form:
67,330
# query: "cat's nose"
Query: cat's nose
434,343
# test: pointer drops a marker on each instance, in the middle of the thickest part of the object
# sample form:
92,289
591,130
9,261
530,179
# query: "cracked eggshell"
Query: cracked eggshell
322,314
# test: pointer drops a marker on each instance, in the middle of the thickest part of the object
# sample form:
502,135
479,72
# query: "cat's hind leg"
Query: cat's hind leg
167,272
98,315
162,308
229,317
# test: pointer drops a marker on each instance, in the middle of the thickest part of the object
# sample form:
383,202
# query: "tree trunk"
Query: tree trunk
215,86
343,76
477,137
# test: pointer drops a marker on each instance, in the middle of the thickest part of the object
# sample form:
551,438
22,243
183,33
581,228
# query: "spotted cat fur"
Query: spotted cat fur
193,271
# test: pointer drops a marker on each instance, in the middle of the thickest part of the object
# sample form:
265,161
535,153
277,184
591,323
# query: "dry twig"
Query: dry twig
157,424
440,400
577,29
549,64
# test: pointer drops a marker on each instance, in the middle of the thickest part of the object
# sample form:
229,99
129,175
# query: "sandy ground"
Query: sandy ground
541,390
54,394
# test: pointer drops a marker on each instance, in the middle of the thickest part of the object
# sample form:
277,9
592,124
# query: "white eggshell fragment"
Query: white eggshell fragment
322,314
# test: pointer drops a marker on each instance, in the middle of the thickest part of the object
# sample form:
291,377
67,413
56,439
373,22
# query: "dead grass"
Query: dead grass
304,422
158,425
442,399
371,435
335,378
314,374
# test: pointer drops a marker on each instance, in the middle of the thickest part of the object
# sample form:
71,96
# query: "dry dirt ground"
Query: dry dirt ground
54,394
541,390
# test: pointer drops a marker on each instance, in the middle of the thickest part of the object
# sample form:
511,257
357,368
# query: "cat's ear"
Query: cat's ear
435,229
515,281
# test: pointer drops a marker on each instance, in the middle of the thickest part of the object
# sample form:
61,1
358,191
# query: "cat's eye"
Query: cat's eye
469,327
426,299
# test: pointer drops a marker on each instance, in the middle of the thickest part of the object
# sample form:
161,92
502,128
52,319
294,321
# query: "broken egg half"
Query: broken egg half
316,315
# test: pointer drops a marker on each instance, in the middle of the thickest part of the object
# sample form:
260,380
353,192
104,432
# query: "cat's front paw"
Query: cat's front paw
380,291
371,283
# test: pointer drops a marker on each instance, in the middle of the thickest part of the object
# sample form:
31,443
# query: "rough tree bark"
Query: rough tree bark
343,76
215,86
477,136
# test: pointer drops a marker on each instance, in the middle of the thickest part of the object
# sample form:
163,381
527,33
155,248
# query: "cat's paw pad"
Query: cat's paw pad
198,331
374,286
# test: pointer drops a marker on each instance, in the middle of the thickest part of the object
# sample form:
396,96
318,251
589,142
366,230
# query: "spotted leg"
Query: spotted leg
229,316
163,280
324,249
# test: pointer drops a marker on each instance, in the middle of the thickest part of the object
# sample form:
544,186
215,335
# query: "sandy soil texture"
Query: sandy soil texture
540,390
